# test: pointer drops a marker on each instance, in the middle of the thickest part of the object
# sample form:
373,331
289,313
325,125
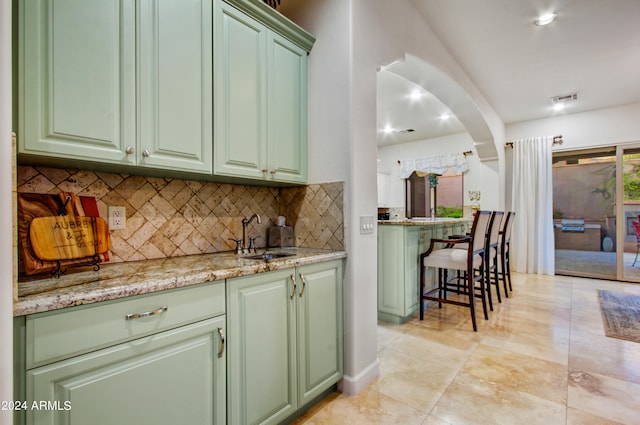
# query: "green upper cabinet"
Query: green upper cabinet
260,112
240,93
212,87
77,91
175,85
119,82
287,111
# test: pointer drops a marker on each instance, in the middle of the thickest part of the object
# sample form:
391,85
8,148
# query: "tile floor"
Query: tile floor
542,358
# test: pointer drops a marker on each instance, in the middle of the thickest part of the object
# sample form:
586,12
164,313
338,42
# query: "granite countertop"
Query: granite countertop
424,221
117,280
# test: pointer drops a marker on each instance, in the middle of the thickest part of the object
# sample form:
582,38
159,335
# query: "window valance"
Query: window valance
436,164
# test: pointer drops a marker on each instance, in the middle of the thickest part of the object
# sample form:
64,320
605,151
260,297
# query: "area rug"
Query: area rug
620,314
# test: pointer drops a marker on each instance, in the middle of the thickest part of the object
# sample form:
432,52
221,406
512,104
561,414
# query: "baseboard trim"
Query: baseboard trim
352,385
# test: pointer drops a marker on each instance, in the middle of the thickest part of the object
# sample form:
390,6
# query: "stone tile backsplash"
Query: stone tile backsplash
316,212
172,217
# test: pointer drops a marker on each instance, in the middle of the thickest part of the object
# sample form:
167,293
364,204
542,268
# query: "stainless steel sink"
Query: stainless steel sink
268,256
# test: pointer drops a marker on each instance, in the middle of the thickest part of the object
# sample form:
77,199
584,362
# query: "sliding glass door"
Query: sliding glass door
629,212
584,213
596,202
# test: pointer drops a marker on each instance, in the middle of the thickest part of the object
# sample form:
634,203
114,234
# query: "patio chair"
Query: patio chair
636,230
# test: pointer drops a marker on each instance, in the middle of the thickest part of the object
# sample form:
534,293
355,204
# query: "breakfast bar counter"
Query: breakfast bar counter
461,223
400,243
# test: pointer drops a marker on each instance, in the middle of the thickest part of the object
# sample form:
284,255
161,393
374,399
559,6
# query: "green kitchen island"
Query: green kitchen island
400,243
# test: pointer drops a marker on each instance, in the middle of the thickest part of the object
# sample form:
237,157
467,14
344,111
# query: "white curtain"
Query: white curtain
532,240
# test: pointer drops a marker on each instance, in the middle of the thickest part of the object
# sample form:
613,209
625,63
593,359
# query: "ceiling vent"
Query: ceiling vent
406,130
563,99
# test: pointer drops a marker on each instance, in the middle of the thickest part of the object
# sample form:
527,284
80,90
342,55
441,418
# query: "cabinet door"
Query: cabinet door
287,111
413,244
175,85
262,347
240,94
319,328
77,88
174,377
391,258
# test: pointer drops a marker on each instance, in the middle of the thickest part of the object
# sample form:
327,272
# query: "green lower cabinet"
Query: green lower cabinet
398,250
174,377
261,349
319,328
285,344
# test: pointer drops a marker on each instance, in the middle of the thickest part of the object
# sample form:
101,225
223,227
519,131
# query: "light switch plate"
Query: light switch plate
117,218
366,224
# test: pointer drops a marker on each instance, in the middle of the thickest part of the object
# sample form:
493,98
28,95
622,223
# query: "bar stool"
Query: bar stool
491,255
504,251
491,260
470,260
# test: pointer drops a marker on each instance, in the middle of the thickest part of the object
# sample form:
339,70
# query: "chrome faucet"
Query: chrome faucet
247,247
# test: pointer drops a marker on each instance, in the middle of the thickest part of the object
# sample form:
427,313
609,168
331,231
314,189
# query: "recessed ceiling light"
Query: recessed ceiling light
415,95
545,19
445,116
387,129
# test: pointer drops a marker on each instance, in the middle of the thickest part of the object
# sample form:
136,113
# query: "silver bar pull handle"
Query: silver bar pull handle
304,284
293,280
160,310
221,334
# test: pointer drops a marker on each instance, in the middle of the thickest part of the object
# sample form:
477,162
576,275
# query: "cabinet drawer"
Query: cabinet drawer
56,335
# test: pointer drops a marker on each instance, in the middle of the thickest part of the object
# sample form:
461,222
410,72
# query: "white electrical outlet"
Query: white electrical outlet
117,218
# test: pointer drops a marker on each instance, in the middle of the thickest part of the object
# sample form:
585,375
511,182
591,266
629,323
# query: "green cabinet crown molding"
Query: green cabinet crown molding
276,21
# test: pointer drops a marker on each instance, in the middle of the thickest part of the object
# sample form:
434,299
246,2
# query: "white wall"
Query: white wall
474,179
602,127
355,37
6,216
332,157
329,85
